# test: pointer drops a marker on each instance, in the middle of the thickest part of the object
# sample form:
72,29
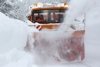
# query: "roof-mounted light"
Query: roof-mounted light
35,4
64,4
38,5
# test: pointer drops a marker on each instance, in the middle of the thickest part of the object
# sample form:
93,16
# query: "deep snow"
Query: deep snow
14,33
13,39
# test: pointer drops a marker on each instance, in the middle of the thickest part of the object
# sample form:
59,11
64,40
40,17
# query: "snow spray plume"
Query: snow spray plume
75,9
47,44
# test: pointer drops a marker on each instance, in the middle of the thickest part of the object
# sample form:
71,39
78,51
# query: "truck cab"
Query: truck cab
48,17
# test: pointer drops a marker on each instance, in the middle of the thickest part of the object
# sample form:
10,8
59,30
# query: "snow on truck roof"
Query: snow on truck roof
48,6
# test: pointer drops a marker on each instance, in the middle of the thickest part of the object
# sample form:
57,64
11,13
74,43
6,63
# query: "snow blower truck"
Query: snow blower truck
69,45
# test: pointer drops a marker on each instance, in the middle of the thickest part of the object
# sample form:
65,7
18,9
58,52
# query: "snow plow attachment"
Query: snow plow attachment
68,45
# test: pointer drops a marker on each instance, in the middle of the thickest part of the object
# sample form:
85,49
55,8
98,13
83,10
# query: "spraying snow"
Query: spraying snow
91,8
76,9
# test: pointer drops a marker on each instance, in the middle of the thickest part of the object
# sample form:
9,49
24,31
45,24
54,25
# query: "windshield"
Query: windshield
48,16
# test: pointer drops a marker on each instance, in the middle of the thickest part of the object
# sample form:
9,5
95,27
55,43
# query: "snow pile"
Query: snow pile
13,33
13,39
16,58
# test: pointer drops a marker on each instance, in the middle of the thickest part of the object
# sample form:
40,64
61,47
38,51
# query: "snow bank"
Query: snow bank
16,58
13,33
13,39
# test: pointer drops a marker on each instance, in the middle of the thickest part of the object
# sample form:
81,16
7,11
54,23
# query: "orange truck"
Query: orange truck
50,18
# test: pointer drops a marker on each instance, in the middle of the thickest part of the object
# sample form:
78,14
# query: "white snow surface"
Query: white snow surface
13,39
14,34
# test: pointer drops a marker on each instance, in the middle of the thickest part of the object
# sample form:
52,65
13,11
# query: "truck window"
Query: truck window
48,16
